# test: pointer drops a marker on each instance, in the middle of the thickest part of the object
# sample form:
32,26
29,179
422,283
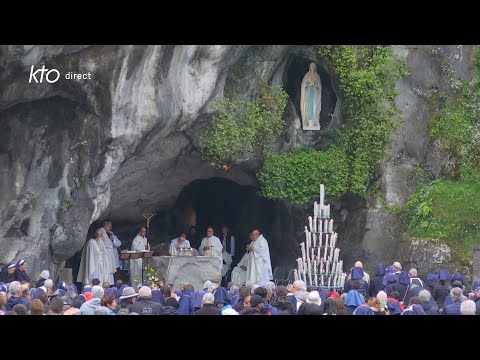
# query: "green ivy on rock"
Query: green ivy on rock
243,127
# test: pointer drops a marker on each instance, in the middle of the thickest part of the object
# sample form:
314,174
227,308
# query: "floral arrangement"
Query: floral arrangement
149,273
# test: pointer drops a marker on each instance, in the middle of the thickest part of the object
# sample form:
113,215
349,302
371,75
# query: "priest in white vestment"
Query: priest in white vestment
239,272
139,243
211,246
109,256
116,244
178,243
259,267
92,265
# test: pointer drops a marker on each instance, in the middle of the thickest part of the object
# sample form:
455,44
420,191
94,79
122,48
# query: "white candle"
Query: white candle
340,267
329,278
327,267
306,234
303,250
325,226
325,253
313,254
327,211
321,266
295,274
310,223
331,253
320,225
322,281
318,252
333,239
333,267
330,226
310,272
307,253
314,223
326,240
335,281
322,193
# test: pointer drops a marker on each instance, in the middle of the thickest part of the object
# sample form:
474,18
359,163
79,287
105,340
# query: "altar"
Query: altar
193,269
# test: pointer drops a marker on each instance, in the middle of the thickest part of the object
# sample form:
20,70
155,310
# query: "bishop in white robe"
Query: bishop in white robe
259,267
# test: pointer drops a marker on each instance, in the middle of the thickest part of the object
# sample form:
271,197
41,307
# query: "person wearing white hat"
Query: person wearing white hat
44,275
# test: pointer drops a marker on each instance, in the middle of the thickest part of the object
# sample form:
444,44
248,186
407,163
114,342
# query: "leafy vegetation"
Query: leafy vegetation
242,127
448,208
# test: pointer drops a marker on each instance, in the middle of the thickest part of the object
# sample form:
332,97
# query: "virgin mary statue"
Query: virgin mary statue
311,99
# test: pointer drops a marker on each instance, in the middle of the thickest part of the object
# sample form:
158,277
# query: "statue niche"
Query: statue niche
311,99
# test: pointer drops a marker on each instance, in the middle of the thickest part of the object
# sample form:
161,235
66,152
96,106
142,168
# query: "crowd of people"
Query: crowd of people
390,291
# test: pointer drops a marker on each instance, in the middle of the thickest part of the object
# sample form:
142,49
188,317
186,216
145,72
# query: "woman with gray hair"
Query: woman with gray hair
467,307
208,306
102,310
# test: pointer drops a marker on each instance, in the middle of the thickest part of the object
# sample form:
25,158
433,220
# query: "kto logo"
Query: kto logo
48,76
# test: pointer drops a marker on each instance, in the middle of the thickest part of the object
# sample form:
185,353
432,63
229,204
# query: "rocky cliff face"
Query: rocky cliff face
126,141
